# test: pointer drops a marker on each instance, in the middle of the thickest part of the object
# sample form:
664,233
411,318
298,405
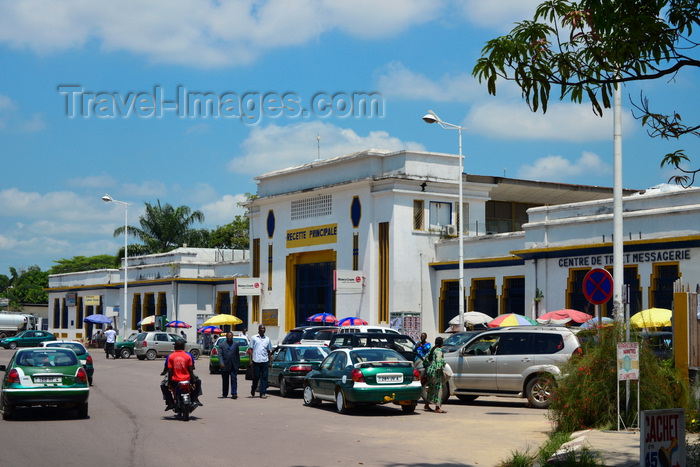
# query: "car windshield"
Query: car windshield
131,338
459,339
375,355
47,357
309,353
74,346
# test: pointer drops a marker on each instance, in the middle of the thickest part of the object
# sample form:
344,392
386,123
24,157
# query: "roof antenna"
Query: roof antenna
318,142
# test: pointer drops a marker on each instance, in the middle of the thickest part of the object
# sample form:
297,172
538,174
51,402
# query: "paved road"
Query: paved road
128,427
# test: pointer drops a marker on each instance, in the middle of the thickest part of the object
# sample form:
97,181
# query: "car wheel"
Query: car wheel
309,398
13,345
125,353
141,357
195,354
7,412
83,410
151,354
466,398
341,405
285,390
409,408
539,391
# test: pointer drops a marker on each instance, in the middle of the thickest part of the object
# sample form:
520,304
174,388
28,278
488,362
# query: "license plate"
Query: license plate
47,379
389,378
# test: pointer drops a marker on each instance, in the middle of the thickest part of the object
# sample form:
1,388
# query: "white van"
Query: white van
367,328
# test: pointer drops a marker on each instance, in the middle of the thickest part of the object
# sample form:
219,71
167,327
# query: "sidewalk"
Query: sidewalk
616,448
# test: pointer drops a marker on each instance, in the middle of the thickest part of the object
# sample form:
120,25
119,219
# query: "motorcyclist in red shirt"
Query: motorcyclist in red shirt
180,365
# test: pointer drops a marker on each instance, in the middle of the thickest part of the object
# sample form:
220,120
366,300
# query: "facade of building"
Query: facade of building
373,235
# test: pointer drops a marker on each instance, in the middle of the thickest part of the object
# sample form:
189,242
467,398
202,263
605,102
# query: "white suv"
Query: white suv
518,361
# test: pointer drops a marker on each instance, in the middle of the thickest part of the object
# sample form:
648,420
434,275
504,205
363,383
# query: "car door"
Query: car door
280,357
319,381
163,343
474,366
514,356
32,339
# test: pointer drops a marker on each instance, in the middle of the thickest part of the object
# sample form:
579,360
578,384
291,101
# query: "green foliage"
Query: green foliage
233,235
585,48
586,397
25,287
83,263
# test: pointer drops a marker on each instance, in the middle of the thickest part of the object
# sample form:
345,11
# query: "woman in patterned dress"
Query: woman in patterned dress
436,362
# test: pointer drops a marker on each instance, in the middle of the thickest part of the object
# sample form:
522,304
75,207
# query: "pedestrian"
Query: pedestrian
96,338
244,333
110,339
260,351
229,361
184,336
435,362
423,347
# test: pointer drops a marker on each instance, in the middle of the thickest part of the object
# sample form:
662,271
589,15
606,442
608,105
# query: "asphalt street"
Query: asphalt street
128,427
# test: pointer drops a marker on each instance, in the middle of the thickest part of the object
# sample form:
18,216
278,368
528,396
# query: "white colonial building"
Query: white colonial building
372,234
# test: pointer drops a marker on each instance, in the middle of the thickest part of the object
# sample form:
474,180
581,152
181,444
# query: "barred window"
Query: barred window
418,208
316,206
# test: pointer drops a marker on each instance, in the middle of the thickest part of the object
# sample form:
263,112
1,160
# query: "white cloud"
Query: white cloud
276,147
146,189
200,33
223,210
11,117
395,80
562,122
498,14
93,181
559,169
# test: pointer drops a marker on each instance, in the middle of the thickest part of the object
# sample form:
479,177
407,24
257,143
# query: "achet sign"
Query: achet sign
629,258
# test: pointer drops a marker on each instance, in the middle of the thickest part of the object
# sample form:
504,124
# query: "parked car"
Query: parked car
401,343
319,337
150,345
368,328
125,348
242,352
80,351
363,376
26,339
44,377
295,335
660,342
291,363
518,361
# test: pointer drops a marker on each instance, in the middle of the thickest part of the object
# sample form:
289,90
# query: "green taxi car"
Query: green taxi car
242,351
26,339
80,350
125,348
371,375
51,376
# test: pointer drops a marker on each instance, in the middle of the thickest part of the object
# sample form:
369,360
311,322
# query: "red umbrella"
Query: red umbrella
352,321
563,317
177,324
210,330
322,318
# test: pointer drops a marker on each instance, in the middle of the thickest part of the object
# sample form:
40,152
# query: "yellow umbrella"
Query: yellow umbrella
147,321
222,320
652,318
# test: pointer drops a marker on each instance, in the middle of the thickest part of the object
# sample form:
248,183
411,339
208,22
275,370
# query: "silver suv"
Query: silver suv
150,345
519,361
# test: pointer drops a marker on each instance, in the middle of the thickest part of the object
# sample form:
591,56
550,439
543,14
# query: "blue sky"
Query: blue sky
415,55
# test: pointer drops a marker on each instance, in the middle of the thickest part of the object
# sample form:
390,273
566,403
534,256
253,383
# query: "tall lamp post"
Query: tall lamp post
431,117
109,199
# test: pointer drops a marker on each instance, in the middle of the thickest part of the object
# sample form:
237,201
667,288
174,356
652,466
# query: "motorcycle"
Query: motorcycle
182,395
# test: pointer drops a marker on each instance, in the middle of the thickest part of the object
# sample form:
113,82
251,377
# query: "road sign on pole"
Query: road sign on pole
598,286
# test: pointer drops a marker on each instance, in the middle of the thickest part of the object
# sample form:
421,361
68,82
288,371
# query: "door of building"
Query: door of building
314,290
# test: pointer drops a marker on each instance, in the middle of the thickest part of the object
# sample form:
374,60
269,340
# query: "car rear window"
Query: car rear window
293,336
48,357
74,346
548,343
375,355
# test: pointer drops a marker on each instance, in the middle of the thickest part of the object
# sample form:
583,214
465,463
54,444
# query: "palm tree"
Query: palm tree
164,228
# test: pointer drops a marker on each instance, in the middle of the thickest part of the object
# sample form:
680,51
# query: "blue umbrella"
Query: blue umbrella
177,324
352,321
98,319
322,318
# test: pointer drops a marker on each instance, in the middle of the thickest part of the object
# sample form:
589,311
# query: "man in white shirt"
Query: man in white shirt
111,338
260,350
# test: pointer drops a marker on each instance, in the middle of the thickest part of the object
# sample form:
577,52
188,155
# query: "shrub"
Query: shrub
586,396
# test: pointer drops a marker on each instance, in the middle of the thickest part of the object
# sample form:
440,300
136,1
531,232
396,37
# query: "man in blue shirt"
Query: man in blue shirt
260,351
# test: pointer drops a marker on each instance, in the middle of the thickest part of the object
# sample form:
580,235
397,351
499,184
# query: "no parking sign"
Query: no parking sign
598,286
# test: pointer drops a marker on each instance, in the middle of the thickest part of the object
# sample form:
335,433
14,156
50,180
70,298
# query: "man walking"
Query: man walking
111,337
229,361
260,351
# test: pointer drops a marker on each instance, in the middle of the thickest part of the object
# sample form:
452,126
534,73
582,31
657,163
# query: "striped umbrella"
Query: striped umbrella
322,318
210,330
511,319
177,324
352,321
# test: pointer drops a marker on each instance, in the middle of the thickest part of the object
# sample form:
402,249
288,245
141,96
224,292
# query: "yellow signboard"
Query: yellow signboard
316,235
270,317
91,300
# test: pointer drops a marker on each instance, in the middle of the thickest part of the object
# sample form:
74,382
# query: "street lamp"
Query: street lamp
108,199
431,117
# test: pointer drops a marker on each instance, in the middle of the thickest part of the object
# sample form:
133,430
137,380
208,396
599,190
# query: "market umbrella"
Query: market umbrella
593,323
563,317
472,317
210,330
352,321
652,318
177,324
222,320
322,318
511,319
98,319
147,321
